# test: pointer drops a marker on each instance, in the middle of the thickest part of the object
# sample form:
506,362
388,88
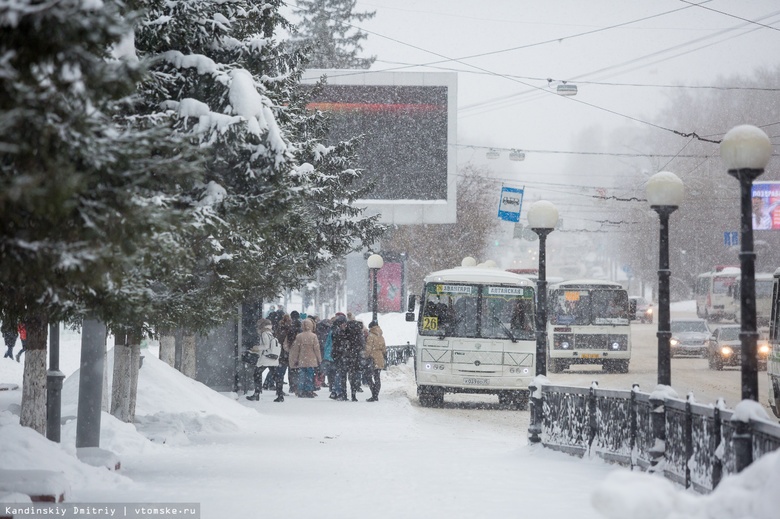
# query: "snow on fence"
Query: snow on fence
693,445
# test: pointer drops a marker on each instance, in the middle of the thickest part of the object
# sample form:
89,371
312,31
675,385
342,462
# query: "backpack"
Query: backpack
273,350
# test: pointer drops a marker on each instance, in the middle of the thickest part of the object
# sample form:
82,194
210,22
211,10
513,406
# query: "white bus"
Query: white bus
714,293
764,282
773,361
475,334
588,323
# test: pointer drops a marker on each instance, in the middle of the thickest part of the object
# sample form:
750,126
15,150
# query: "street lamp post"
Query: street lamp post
375,262
542,218
665,194
746,151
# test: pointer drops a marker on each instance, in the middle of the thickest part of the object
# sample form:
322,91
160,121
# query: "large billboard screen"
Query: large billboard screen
766,206
405,122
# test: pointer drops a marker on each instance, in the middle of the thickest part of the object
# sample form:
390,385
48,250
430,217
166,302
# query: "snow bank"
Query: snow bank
170,408
21,448
750,494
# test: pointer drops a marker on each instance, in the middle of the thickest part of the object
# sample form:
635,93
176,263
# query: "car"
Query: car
726,346
690,338
644,309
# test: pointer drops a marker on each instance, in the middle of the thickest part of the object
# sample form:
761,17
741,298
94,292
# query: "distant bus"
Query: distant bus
714,292
588,323
475,334
764,282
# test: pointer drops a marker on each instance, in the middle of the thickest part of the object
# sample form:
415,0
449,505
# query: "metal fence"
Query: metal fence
399,354
693,445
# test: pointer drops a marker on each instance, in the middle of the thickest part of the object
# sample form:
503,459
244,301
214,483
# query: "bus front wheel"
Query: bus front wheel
430,397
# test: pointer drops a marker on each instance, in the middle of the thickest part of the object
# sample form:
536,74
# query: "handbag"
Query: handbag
250,357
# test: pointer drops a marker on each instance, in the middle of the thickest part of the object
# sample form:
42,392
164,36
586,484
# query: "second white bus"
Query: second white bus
588,323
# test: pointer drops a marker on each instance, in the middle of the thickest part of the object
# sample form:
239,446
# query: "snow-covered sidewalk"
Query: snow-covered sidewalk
320,458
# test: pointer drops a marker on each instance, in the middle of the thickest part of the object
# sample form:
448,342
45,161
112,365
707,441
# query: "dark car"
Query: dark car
644,309
690,338
726,347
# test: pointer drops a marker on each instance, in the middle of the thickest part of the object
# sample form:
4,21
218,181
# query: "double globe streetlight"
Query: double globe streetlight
665,193
746,150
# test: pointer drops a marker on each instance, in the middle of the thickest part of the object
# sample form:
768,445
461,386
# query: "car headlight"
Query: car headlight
674,342
763,349
725,350
649,311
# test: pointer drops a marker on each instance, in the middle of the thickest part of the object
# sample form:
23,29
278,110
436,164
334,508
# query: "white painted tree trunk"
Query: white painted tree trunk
188,366
135,364
168,349
33,413
105,404
120,387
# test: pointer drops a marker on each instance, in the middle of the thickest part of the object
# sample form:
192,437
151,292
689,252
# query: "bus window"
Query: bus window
570,307
610,307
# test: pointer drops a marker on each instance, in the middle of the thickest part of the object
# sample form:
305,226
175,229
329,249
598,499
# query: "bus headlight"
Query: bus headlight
618,342
674,342
763,349
563,342
726,351
427,366
615,346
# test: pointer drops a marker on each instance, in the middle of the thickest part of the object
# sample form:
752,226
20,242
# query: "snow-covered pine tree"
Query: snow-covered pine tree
325,29
230,85
79,193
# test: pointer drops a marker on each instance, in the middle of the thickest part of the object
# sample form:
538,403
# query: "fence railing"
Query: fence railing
693,445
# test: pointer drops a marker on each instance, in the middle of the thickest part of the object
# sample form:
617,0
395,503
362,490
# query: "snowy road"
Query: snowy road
688,374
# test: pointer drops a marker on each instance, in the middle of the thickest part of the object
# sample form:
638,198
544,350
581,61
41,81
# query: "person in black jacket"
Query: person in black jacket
356,343
339,354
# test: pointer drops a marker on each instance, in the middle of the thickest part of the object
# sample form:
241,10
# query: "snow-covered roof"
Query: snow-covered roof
478,275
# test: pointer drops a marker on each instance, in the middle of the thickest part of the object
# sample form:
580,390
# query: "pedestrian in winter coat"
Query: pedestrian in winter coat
282,334
268,350
376,350
10,334
339,355
23,338
322,329
354,353
295,329
305,356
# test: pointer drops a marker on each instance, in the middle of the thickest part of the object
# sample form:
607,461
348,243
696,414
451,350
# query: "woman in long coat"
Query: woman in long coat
376,350
305,356
354,352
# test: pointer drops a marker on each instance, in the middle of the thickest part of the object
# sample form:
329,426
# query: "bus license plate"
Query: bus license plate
476,381
590,355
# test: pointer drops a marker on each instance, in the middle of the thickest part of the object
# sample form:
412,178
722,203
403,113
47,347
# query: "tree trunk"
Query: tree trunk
120,387
135,365
33,413
188,366
168,348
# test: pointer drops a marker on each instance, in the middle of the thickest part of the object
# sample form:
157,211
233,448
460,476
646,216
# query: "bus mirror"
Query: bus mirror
632,309
410,308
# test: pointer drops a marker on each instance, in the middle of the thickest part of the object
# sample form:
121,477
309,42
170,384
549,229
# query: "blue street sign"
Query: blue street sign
730,238
511,203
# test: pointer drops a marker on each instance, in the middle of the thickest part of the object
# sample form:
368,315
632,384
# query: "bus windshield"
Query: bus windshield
478,311
589,307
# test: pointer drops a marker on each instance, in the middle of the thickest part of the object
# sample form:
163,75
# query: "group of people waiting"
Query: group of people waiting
317,353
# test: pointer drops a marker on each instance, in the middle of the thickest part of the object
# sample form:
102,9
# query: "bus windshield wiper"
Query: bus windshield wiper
506,330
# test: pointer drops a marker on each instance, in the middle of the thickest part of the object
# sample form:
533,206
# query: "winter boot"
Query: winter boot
10,353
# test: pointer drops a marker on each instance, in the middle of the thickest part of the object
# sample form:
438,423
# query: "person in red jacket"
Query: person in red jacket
22,337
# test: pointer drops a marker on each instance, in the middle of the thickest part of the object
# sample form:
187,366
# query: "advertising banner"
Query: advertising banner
766,206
